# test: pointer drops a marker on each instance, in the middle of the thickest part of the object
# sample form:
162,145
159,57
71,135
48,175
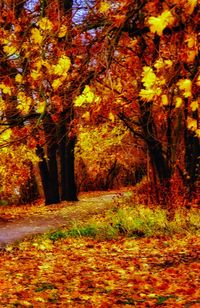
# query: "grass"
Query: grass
137,221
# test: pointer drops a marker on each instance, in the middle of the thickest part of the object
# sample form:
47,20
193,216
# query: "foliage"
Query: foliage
151,84
106,155
87,272
19,160
130,62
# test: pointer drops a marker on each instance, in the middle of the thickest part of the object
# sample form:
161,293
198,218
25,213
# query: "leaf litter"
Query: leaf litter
52,270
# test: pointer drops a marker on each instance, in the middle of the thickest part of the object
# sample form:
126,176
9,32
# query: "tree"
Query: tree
133,61
38,50
151,83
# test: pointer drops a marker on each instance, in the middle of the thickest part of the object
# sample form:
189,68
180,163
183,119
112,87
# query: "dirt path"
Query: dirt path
67,216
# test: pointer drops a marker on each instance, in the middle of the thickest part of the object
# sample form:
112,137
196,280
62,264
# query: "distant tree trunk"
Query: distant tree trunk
112,174
29,191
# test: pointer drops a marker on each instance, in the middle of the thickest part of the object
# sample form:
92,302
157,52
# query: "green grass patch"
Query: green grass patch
143,221
58,234
137,221
88,230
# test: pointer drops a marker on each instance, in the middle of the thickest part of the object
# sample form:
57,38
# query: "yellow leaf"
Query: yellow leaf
63,66
191,124
25,303
89,95
65,62
56,84
2,104
168,63
36,36
5,136
79,101
9,50
24,106
18,78
39,299
191,54
164,99
86,116
6,89
194,105
149,78
104,7
9,248
62,32
191,41
148,94
118,85
85,297
41,107
159,64
45,24
198,81
197,131
58,70
186,86
158,24
46,244
111,117
38,64
35,74
179,102
86,97
167,17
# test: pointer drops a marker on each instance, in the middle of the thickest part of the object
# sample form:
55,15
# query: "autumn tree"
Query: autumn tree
23,178
38,42
151,82
133,61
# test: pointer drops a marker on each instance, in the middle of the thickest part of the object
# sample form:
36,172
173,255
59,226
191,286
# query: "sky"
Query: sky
80,8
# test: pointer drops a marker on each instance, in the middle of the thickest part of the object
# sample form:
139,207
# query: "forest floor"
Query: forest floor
17,222
75,266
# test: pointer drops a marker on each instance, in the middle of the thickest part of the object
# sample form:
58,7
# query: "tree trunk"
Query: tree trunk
51,138
50,198
67,139
153,144
29,191
48,166
192,158
67,158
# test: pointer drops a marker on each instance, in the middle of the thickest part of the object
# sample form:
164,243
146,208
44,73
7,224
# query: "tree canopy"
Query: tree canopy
68,64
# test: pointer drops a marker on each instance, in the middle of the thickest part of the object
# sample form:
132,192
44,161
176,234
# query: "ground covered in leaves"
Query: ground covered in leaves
123,255
85,272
